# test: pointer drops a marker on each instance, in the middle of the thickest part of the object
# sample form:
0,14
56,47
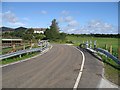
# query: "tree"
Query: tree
30,31
54,25
62,36
39,36
53,32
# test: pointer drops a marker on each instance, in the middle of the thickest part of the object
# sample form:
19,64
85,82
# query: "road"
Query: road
58,68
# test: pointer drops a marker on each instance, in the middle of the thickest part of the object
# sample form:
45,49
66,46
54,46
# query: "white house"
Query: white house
39,30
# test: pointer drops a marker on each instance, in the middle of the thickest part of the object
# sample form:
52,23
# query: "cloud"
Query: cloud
65,19
11,19
43,12
97,27
73,23
93,26
68,19
65,12
67,29
70,24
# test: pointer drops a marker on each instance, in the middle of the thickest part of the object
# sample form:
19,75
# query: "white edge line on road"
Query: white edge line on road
27,58
80,72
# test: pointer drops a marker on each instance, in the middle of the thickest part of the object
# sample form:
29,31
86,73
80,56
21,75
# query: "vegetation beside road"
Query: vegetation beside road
17,58
112,69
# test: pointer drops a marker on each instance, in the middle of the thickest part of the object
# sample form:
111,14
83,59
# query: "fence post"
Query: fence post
119,53
31,44
106,46
110,49
24,47
14,49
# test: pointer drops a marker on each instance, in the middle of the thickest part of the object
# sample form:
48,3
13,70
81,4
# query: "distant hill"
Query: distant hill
6,29
20,28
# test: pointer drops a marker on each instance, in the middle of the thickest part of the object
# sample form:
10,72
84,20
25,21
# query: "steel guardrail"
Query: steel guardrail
5,56
108,55
105,52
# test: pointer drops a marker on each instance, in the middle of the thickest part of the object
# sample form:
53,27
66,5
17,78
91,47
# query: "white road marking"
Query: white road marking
27,58
80,72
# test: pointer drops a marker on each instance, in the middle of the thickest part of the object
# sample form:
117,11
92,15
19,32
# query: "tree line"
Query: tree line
96,35
52,34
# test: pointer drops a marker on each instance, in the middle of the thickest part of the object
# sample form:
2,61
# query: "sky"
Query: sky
72,17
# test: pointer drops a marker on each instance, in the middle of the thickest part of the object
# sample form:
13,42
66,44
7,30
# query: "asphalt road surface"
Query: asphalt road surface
58,68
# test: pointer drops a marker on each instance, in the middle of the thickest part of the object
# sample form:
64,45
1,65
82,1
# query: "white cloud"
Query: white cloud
93,26
70,24
43,12
65,19
11,19
99,27
73,23
65,12
68,19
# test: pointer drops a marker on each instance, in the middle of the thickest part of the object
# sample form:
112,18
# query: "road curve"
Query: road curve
58,68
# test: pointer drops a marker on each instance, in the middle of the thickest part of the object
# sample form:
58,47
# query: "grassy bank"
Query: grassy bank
112,69
112,74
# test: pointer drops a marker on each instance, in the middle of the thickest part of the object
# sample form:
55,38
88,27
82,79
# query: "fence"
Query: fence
88,46
44,44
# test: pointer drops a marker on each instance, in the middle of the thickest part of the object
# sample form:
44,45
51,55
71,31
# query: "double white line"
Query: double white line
80,72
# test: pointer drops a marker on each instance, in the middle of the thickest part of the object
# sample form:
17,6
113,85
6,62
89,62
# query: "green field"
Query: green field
100,42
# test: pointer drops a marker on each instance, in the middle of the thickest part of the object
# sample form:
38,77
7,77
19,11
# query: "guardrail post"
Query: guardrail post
45,44
94,44
20,56
90,44
86,44
42,46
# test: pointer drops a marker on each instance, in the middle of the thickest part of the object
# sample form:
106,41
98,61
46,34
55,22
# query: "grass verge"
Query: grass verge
17,58
112,69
